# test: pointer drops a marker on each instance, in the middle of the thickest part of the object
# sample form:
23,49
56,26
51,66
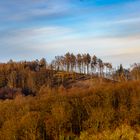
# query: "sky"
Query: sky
32,29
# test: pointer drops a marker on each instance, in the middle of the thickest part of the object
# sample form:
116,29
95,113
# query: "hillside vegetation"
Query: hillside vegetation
105,111
73,98
27,78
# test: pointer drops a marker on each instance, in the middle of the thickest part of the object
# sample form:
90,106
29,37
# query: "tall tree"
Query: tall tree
108,68
79,62
84,62
94,63
73,61
101,66
88,60
67,60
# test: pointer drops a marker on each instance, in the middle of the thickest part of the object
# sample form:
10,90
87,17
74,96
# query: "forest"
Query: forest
75,97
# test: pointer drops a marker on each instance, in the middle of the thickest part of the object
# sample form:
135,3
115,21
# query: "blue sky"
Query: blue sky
32,29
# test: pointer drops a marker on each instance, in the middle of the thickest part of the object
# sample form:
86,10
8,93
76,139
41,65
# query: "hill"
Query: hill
67,100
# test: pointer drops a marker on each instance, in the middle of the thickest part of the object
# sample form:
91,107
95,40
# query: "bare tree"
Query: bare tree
100,66
67,60
88,60
72,61
94,64
108,67
79,62
84,61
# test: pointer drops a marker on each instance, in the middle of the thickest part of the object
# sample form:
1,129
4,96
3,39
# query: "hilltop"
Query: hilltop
27,77
74,97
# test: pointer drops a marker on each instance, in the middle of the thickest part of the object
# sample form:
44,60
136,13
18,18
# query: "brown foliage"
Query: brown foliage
56,113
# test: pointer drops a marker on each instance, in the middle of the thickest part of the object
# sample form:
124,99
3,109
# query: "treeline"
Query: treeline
82,63
23,77
100,112
88,64
28,77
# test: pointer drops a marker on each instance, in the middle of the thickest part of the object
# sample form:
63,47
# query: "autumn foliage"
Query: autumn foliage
106,111
70,99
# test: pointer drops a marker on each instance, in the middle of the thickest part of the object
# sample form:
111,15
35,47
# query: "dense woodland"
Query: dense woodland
75,97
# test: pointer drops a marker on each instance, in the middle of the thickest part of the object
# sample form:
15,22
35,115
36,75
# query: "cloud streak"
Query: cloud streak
34,29
40,42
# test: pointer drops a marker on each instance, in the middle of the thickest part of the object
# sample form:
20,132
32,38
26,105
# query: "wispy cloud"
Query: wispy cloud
32,29
30,42
49,41
26,10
